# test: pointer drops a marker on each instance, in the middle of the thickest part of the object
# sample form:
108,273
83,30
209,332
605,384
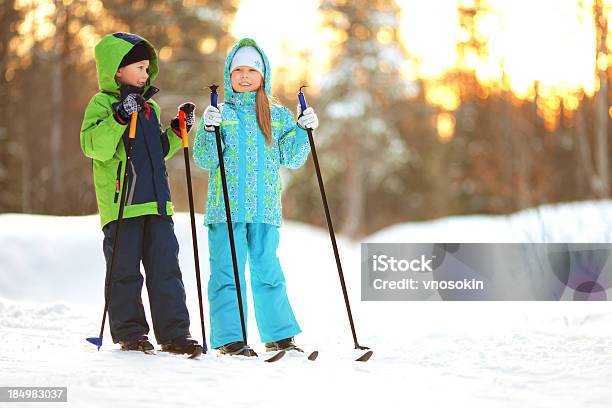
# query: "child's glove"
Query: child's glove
307,119
212,118
132,103
188,108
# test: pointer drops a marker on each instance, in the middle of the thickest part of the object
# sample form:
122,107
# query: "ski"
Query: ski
197,352
315,354
312,356
249,352
275,357
193,356
365,357
147,352
142,348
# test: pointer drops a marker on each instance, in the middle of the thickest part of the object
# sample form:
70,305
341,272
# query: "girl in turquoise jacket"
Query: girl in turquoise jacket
257,137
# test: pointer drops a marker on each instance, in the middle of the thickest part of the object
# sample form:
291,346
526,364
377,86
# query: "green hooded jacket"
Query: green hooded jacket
101,136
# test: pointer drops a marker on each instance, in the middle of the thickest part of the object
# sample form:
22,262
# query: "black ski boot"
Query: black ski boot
237,348
183,345
284,344
136,344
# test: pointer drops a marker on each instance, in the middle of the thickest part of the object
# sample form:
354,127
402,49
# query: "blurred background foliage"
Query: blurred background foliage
427,109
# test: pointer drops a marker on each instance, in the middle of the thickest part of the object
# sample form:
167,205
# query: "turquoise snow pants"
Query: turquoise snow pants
275,319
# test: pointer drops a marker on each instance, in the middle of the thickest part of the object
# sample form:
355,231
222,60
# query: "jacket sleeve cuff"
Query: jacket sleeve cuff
119,120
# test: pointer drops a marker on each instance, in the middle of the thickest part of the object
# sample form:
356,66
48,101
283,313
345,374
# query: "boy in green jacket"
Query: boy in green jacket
127,65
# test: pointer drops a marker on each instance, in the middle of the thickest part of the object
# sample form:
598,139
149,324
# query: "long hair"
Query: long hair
263,113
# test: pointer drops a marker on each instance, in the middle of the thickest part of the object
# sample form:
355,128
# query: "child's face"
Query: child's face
135,74
245,79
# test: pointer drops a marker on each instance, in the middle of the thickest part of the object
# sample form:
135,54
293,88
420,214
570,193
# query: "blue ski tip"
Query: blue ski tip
96,341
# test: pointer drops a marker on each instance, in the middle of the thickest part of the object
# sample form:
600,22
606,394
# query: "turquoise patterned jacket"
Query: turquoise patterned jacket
252,167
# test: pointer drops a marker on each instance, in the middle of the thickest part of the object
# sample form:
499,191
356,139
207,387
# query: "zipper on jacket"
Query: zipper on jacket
117,182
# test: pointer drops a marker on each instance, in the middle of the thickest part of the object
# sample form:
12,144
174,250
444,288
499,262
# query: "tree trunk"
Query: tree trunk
353,187
56,108
601,108
585,172
8,16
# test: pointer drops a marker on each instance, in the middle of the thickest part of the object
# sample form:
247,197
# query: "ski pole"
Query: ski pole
97,341
213,101
194,236
332,235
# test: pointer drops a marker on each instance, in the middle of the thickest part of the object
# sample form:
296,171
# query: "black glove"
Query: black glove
189,109
131,103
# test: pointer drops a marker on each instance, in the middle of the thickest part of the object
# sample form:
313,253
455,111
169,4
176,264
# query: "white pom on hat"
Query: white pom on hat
248,56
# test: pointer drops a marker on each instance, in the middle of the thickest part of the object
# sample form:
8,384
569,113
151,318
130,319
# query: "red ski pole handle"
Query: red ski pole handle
183,128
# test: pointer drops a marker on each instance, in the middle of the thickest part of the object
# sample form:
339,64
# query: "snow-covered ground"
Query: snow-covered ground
476,354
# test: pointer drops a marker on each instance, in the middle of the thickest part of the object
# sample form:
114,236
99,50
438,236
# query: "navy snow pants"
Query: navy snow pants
148,239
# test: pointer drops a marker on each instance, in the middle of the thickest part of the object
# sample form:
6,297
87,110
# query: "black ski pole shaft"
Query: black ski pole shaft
330,226
213,101
194,236
108,284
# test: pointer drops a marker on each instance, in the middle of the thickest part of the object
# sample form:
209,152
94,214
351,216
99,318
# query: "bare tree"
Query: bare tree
358,90
57,97
602,185
8,17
